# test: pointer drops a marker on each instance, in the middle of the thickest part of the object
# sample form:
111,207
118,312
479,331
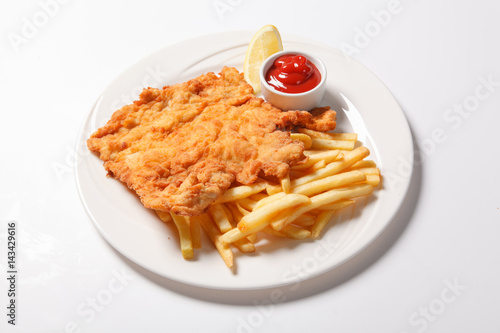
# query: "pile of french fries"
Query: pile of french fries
298,206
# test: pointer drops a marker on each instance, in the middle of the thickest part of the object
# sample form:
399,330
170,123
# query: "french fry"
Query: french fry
194,232
330,182
247,203
332,144
314,134
306,139
327,156
252,238
363,164
294,174
235,234
220,217
195,228
334,167
278,222
321,222
184,235
325,215
228,212
317,166
258,196
262,215
368,171
270,231
305,220
260,218
237,215
323,135
242,210
214,234
373,180
244,245
333,206
285,184
316,151
273,189
318,186
294,232
240,192
270,199
322,199
344,136
164,216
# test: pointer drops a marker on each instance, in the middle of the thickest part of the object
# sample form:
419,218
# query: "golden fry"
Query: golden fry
294,232
258,196
327,136
165,217
332,144
285,184
242,210
368,171
270,231
244,245
305,220
322,199
195,228
330,182
273,189
321,221
247,203
214,234
262,215
318,166
260,218
334,167
270,199
306,139
327,156
364,164
252,238
237,215
373,180
228,213
220,217
333,206
184,235
240,192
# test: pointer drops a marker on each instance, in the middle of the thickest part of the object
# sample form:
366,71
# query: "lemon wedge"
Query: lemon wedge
266,42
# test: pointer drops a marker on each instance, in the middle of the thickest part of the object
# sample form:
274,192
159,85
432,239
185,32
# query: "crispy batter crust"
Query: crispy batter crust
182,146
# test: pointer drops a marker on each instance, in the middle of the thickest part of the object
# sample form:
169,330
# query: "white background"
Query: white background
435,269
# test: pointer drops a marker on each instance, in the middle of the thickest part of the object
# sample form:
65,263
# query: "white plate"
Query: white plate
139,235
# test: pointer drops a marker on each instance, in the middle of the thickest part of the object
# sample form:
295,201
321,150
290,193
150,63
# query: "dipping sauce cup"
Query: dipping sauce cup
306,100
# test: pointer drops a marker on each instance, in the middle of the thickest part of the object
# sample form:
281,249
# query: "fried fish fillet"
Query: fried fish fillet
179,148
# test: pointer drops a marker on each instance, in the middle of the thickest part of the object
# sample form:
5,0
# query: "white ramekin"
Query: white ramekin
302,101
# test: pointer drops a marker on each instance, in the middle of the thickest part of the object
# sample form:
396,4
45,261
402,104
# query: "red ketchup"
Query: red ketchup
293,74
